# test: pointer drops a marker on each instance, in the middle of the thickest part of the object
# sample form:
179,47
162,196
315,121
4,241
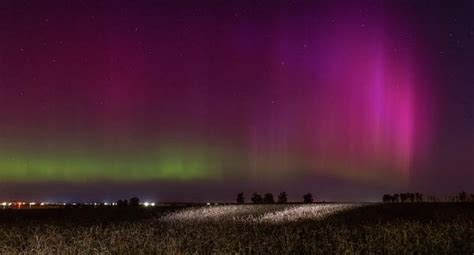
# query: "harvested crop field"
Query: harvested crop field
426,228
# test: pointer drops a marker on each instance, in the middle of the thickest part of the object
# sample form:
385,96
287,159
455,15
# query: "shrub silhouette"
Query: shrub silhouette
282,198
268,198
308,198
256,198
240,198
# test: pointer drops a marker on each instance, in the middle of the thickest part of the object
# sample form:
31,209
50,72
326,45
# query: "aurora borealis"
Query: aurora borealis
210,97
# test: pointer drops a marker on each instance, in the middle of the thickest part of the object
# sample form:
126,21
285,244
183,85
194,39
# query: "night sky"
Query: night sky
199,100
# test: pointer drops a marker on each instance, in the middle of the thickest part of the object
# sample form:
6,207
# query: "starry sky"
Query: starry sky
198,100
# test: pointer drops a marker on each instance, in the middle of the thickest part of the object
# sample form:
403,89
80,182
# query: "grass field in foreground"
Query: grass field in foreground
421,228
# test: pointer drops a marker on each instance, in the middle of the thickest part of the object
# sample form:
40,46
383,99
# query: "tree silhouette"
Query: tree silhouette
387,198
418,197
282,198
406,197
134,202
122,203
396,198
462,196
240,198
403,197
308,198
256,198
268,198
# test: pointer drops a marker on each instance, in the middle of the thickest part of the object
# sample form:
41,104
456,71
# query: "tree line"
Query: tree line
132,202
403,197
268,198
419,197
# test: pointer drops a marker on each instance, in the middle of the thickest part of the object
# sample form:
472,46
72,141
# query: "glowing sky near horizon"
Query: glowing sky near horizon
103,91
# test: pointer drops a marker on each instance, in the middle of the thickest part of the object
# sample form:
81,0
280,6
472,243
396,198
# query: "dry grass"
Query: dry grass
259,213
254,229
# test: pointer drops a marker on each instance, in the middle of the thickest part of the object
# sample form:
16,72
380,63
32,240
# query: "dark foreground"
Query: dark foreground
431,228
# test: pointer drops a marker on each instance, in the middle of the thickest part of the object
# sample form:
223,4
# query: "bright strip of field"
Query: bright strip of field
260,213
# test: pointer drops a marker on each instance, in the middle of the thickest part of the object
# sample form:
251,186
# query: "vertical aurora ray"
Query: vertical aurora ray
346,102
367,102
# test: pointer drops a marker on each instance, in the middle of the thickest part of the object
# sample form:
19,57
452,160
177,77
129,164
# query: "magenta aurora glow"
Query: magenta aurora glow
214,97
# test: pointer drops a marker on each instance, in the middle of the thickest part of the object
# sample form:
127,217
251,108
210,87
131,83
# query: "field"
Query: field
420,228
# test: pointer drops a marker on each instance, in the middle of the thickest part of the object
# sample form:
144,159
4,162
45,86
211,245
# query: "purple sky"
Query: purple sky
187,100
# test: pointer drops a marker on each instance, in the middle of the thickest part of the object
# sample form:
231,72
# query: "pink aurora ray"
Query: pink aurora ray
355,106
369,111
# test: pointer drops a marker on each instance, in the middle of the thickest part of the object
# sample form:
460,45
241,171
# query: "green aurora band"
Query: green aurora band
163,164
